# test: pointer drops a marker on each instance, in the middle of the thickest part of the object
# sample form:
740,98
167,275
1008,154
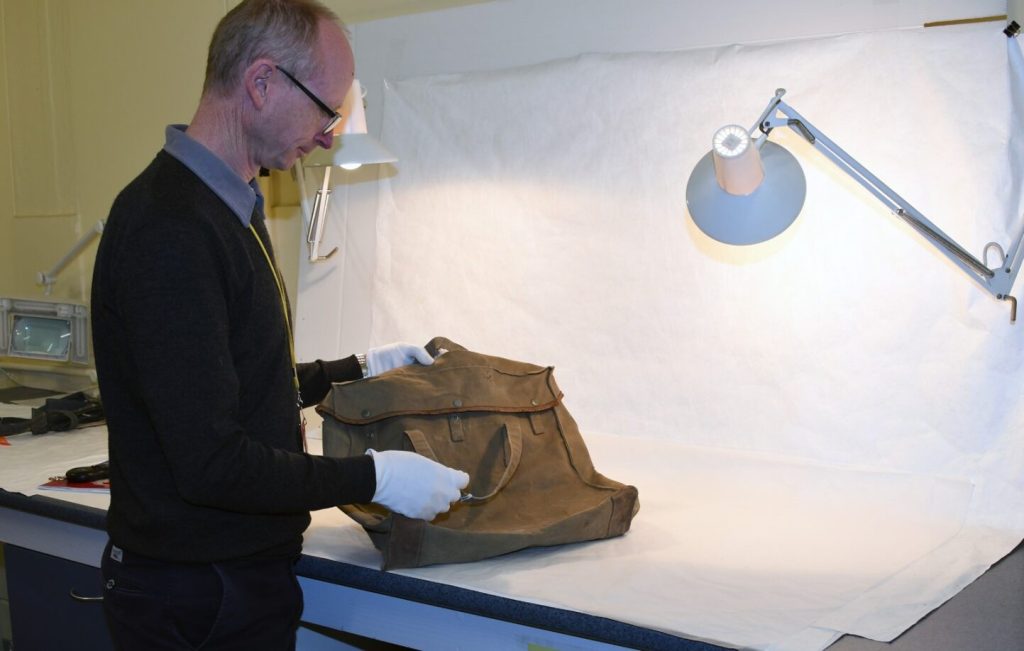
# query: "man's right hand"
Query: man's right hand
415,486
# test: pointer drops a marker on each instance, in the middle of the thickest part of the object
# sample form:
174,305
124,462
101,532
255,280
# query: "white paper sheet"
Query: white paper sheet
713,524
27,461
539,214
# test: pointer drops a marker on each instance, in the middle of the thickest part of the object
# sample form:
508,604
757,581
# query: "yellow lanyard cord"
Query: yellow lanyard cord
288,328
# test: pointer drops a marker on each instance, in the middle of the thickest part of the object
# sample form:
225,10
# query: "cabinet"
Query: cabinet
43,613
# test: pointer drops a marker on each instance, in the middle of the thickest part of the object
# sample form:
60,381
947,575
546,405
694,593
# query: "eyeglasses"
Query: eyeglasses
335,117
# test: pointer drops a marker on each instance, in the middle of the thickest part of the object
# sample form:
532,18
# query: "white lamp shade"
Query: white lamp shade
761,214
353,146
351,150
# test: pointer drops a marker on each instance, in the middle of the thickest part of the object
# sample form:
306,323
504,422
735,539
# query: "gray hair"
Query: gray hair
282,30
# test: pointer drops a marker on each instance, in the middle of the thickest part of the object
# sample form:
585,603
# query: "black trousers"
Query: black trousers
152,605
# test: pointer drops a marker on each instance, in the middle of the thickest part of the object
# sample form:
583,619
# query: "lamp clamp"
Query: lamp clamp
1013,306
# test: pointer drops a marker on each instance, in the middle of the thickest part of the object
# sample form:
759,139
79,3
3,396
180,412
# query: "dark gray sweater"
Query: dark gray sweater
195,376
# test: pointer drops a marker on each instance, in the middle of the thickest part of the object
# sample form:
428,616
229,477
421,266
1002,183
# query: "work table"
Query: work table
423,608
352,597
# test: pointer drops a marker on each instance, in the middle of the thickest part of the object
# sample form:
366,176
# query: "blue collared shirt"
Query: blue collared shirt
238,195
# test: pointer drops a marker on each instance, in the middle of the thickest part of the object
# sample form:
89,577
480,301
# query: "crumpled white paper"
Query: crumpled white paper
539,214
746,549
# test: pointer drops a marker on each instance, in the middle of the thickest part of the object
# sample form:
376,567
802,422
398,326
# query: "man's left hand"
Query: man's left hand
392,356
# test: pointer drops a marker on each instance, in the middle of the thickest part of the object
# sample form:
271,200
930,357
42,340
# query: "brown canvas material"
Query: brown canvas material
503,422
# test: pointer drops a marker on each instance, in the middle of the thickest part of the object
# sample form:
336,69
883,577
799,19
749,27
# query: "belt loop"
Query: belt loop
455,424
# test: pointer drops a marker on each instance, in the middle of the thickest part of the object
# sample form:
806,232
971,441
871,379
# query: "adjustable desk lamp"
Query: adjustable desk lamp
747,190
353,147
48,331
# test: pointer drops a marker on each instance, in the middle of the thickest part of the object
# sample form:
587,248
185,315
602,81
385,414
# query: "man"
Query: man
210,486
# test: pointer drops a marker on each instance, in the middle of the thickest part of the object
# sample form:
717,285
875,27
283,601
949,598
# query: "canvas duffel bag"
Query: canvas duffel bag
532,482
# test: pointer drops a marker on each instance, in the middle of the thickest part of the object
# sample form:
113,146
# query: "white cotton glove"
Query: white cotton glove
415,486
391,356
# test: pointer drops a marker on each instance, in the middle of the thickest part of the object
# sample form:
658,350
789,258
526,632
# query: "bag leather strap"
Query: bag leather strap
512,436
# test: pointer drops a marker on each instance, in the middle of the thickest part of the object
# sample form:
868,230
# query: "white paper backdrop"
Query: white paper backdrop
539,213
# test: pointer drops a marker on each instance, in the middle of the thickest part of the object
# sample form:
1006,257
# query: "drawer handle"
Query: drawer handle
78,597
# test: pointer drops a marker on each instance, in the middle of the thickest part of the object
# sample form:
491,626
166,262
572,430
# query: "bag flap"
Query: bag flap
458,381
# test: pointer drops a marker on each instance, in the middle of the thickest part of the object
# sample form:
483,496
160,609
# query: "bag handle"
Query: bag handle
513,437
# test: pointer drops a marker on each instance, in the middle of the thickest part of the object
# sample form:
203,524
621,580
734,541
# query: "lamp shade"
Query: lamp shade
353,146
766,189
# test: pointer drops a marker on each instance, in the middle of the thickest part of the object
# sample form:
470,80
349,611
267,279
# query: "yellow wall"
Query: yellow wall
86,89
6,174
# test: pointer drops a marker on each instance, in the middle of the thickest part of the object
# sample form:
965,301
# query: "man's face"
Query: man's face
296,124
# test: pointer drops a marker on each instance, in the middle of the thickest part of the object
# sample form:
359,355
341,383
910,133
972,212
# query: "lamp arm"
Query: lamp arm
48,278
762,121
998,281
317,214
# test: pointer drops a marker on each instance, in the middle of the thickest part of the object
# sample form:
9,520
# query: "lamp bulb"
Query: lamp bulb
731,141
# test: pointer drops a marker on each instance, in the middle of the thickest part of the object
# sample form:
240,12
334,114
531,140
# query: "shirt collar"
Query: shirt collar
239,196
